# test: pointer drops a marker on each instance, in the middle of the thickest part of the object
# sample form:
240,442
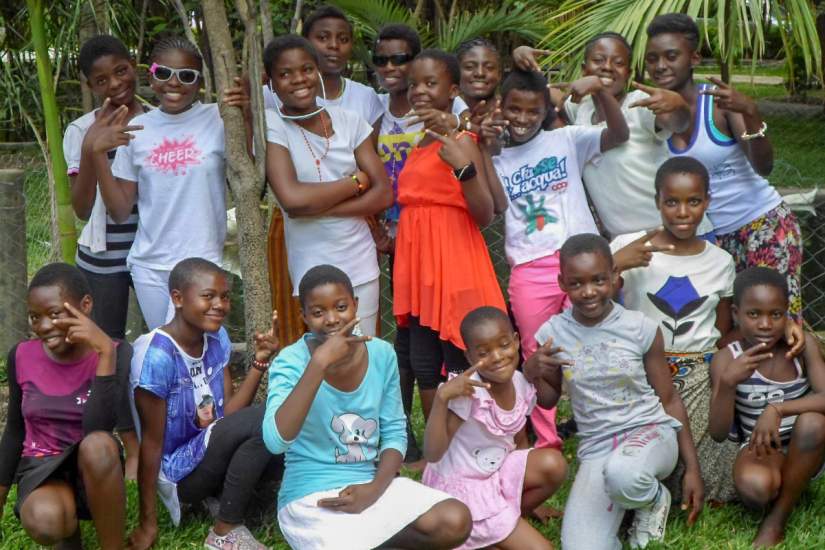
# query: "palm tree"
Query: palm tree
447,28
741,25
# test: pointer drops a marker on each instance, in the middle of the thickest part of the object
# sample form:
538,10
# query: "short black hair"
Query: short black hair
526,81
585,243
480,315
324,12
97,47
175,42
69,278
675,23
185,271
400,31
449,61
758,276
477,42
280,44
681,165
588,47
320,275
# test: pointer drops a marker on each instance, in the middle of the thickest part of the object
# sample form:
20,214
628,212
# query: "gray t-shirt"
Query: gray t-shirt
607,383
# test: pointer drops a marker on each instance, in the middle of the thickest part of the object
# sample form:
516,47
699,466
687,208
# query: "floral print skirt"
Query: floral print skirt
691,378
772,240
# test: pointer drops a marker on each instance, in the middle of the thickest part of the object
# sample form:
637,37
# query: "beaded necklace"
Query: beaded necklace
312,151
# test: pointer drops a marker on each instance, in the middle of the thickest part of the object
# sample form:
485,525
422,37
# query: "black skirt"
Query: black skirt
32,472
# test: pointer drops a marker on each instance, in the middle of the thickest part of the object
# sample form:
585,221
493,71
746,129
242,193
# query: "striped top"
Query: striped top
119,236
755,393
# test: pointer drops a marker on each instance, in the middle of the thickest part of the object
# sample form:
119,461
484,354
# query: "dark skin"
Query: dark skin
200,307
480,76
294,77
430,87
766,478
590,280
120,195
113,80
522,112
493,350
670,60
49,514
682,202
341,360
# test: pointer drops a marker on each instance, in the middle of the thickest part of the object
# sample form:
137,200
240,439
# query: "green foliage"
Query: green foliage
745,25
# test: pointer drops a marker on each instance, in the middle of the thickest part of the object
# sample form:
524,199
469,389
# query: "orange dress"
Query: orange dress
442,266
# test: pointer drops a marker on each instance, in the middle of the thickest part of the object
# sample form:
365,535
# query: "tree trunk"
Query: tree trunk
141,31
266,22
724,70
94,20
296,17
13,317
246,180
64,215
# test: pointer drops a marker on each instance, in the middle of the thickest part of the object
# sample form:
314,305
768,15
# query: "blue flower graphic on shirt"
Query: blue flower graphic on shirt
677,299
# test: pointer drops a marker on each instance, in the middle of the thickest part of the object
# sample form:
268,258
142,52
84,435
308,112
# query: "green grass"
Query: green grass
730,527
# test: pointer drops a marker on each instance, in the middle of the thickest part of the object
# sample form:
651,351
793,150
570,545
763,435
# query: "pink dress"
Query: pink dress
482,467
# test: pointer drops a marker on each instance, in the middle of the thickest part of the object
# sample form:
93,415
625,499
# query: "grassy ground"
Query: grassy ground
729,527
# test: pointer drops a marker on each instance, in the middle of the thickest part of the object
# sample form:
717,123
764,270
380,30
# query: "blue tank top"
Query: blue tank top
738,195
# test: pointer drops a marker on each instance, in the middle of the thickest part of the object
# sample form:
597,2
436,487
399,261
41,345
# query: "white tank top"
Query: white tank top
738,195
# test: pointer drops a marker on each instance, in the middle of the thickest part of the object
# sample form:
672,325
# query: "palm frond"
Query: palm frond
522,19
742,27
371,15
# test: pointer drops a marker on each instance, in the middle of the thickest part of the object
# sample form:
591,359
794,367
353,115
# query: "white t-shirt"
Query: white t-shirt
545,195
680,293
343,242
620,182
395,141
178,164
356,97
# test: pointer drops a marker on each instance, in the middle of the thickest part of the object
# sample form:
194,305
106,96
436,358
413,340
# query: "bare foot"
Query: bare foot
544,513
771,533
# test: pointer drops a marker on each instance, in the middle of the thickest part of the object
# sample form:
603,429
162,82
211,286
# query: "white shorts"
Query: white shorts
306,526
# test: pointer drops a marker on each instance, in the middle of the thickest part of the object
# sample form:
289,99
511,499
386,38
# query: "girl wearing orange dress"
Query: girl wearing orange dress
442,267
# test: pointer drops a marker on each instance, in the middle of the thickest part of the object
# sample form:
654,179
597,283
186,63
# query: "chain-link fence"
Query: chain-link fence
797,131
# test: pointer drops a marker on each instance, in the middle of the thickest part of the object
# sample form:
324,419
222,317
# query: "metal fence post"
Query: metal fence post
13,276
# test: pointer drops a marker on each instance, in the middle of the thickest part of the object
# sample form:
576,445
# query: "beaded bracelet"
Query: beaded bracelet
260,366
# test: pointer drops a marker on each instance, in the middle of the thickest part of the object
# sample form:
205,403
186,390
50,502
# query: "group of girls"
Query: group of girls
451,145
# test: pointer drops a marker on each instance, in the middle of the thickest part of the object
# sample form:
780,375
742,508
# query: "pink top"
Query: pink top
481,444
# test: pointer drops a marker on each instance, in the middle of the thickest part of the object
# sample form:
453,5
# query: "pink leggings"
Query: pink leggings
535,296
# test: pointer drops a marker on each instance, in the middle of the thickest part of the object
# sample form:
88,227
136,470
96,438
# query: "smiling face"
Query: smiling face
327,308
296,80
480,73
429,85
45,304
204,302
761,315
392,77
608,58
332,39
589,279
173,96
669,60
525,111
495,341
682,202
114,77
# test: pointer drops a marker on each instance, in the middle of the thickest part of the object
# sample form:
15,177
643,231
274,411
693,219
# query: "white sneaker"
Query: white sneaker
649,522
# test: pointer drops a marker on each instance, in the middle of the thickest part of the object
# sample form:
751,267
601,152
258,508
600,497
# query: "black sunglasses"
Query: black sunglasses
396,59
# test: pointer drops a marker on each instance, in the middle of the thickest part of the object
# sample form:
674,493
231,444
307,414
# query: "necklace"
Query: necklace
312,151
343,85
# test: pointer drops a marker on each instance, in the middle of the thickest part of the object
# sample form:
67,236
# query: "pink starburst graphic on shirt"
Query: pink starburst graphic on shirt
175,156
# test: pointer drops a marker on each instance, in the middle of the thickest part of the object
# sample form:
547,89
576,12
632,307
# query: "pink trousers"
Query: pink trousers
535,296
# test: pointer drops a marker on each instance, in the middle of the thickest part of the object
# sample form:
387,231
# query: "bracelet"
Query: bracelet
359,185
466,173
260,366
776,408
760,134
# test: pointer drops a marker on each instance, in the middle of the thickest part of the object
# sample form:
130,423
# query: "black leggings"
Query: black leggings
428,352
235,462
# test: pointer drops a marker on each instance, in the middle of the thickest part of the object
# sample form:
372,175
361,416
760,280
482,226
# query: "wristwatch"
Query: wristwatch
466,173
